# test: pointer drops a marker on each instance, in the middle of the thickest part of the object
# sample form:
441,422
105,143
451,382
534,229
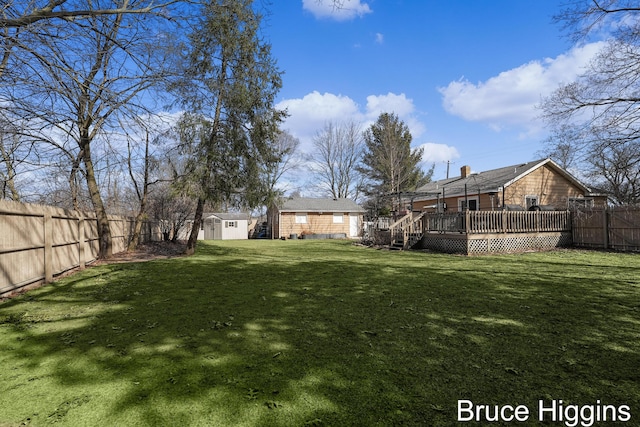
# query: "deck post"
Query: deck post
504,220
467,216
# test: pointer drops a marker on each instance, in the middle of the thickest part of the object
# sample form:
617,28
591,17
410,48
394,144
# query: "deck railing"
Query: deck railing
397,228
477,222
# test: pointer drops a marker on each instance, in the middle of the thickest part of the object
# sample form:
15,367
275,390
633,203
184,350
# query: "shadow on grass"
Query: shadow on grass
299,333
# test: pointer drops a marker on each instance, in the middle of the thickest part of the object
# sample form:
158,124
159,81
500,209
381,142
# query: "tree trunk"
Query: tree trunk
104,231
195,228
11,173
142,196
137,230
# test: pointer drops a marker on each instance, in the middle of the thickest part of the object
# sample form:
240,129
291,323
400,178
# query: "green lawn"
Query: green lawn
294,333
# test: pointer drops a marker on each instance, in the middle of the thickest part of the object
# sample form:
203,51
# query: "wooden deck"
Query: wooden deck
474,232
487,222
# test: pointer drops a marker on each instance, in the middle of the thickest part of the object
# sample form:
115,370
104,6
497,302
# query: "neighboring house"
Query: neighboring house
225,226
301,216
541,183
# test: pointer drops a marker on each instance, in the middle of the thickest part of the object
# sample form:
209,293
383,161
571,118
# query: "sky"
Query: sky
466,76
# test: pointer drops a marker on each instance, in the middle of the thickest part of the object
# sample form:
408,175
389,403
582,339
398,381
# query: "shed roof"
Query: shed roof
308,204
491,180
228,216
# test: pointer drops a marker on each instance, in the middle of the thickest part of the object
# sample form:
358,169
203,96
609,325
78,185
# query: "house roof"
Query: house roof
308,204
488,181
228,216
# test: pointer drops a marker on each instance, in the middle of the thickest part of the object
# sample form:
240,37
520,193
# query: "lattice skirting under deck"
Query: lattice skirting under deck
478,244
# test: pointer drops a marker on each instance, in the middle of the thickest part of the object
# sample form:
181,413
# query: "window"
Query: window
301,218
231,224
470,203
530,201
338,218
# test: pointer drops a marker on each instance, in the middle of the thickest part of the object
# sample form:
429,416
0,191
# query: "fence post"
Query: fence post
81,243
48,246
605,225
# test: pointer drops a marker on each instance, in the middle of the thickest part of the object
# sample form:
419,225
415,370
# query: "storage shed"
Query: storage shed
226,226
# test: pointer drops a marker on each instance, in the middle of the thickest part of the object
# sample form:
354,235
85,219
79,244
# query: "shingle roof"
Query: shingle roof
491,180
308,204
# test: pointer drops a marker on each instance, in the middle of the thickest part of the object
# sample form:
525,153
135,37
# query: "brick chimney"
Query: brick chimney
465,171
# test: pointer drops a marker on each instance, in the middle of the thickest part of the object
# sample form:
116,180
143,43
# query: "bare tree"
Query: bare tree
170,210
338,151
616,170
75,78
21,13
282,159
12,156
141,182
560,147
600,110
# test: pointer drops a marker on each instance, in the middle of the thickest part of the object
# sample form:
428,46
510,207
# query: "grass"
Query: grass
261,333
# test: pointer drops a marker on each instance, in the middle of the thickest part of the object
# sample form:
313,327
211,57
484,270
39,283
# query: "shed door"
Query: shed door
217,230
354,226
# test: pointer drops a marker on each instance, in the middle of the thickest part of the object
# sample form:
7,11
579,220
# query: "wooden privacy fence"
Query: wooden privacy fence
613,228
38,243
483,222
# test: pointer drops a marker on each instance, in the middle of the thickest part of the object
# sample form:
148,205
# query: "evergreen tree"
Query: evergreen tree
389,163
229,87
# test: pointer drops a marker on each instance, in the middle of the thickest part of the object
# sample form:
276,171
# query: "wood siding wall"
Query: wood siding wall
38,243
551,188
548,185
317,223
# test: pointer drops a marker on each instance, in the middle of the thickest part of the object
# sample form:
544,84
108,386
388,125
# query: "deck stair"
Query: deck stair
407,231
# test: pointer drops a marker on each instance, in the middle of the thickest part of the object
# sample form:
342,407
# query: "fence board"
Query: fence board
39,242
613,228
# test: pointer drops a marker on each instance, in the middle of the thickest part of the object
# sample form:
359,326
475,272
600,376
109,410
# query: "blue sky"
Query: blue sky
465,76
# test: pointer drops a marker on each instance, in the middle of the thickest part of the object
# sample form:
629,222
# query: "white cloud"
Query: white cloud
435,153
309,114
379,38
510,98
338,10
398,104
389,103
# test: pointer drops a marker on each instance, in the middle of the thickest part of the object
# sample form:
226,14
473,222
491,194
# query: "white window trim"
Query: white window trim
461,201
527,197
338,218
301,218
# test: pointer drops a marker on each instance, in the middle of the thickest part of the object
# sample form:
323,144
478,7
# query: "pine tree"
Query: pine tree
389,163
230,86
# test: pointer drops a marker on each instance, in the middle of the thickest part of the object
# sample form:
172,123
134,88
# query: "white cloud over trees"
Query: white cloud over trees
510,99
311,112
